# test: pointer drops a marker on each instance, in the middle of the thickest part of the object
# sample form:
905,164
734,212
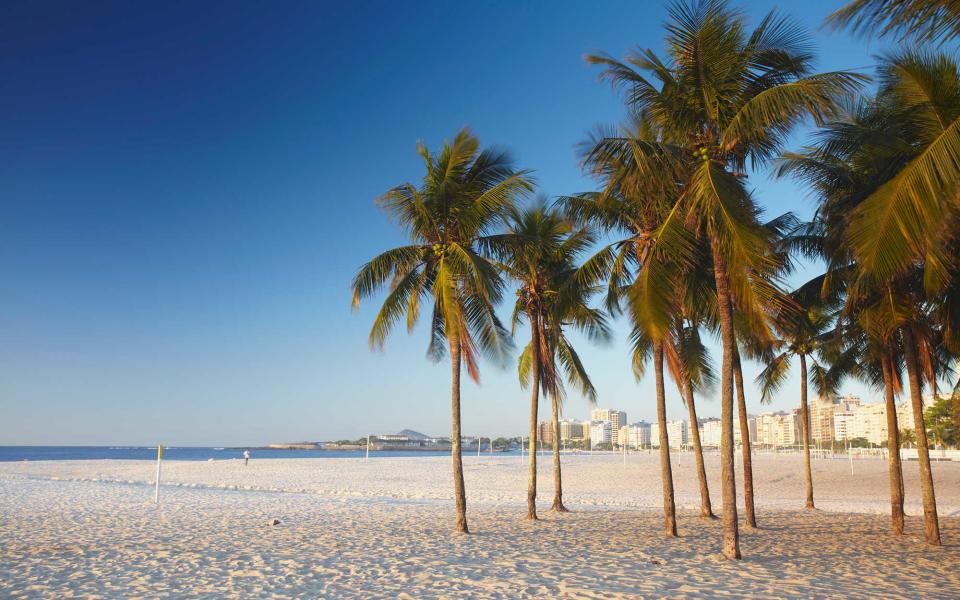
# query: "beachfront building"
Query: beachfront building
616,418
677,434
572,430
870,422
821,419
778,428
545,432
636,435
843,424
710,433
601,432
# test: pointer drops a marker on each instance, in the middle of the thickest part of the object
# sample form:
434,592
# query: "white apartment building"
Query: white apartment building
821,419
601,432
710,432
617,419
778,429
572,430
676,434
636,435
870,422
843,424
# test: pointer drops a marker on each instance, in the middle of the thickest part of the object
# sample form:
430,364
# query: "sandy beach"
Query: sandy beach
381,528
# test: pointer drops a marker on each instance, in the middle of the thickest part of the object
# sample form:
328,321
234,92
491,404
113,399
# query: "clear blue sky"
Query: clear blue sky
187,189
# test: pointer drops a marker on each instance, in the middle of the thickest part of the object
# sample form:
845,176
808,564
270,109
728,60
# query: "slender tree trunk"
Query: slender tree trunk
931,525
750,513
731,533
666,473
706,511
557,480
459,491
893,445
805,430
534,400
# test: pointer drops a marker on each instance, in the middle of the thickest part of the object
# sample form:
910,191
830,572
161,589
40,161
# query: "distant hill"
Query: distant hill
413,435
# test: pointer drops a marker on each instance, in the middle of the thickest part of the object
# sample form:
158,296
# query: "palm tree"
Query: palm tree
921,20
723,99
866,348
926,20
541,257
801,335
464,194
887,176
630,207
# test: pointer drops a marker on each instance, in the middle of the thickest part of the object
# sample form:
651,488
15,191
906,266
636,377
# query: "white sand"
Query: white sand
382,529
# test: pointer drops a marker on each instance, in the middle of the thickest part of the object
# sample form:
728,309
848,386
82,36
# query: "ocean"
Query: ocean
19,453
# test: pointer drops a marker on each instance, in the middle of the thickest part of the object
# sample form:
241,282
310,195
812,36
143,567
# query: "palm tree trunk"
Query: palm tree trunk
666,473
750,514
706,511
557,480
728,482
931,525
534,400
805,430
893,446
459,490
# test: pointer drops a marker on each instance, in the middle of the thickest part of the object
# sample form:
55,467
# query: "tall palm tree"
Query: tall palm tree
541,257
724,98
869,352
935,21
631,207
465,193
886,176
801,335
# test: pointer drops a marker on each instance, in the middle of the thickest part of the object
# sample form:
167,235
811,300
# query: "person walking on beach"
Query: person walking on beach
246,457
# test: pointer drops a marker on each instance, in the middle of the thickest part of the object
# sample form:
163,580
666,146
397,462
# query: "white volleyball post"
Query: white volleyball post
479,443
368,449
156,492
624,456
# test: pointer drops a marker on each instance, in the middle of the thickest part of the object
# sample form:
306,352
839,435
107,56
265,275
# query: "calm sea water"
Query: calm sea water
18,453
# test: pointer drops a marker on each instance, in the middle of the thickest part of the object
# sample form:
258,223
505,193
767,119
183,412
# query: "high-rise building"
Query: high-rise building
636,435
821,419
870,422
545,432
601,433
571,430
676,434
710,432
843,424
617,419
777,429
